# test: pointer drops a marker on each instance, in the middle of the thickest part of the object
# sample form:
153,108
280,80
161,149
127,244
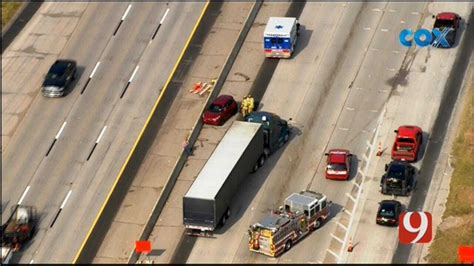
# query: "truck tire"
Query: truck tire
261,160
318,224
286,138
288,245
223,220
227,213
255,168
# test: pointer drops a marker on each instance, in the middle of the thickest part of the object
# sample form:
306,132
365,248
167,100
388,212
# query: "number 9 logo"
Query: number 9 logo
415,227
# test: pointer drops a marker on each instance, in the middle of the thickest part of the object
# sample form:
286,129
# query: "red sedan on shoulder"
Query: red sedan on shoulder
220,110
338,164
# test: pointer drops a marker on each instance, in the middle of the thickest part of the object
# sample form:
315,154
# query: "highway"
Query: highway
335,90
67,153
349,85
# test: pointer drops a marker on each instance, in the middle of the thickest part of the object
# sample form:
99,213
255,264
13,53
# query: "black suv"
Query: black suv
388,212
59,76
399,179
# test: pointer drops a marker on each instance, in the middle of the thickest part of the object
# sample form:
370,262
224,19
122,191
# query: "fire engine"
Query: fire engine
302,213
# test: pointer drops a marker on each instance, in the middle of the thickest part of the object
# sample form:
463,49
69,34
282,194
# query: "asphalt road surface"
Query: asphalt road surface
335,90
95,129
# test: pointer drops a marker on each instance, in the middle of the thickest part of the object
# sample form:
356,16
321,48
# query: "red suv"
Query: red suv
338,164
407,143
221,109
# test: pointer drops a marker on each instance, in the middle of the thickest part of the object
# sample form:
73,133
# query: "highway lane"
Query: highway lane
125,122
61,170
429,71
45,117
336,104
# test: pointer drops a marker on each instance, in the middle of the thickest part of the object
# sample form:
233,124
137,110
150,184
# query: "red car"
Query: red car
221,109
448,24
338,164
407,143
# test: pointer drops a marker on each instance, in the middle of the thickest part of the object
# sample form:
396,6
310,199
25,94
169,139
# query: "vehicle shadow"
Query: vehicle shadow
424,145
71,87
303,40
354,167
249,189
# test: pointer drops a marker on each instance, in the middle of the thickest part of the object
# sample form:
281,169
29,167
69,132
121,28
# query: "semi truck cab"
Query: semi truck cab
276,130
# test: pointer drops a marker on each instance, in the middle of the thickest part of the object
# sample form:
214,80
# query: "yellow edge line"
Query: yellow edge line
143,130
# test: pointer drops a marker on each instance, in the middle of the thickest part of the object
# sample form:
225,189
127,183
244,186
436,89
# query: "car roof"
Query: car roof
446,15
389,202
338,155
407,131
222,99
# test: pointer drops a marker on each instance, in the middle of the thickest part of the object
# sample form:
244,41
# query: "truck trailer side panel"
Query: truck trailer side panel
239,173
229,164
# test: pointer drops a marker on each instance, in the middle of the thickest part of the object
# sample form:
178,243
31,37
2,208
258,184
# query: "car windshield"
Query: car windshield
337,167
444,23
387,211
396,171
405,140
215,108
56,71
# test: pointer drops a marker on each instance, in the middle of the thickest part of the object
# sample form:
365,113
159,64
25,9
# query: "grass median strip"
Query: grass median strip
8,11
457,227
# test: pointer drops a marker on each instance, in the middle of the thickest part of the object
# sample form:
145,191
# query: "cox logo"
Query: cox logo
424,37
415,227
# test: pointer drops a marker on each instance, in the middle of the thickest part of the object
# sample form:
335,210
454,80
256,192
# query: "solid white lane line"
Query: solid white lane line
133,75
126,12
24,195
95,68
60,130
65,200
164,16
100,135
337,238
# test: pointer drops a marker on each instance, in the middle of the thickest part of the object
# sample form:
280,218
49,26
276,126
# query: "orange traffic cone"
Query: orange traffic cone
350,247
379,150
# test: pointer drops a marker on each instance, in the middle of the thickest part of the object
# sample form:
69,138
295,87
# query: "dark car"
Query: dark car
448,24
221,109
399,179
59,76
338,164
388,212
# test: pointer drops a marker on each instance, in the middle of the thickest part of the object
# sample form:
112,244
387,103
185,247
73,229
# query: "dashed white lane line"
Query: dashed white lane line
60,130
164,16
101,133
65,200
384,30
126,12
366,28
23,195
95,68
133,75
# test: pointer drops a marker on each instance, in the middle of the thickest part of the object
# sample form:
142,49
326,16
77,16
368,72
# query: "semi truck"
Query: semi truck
301,214
243,149
18,229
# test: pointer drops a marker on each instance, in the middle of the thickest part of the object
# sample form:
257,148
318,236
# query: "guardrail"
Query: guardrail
196,129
